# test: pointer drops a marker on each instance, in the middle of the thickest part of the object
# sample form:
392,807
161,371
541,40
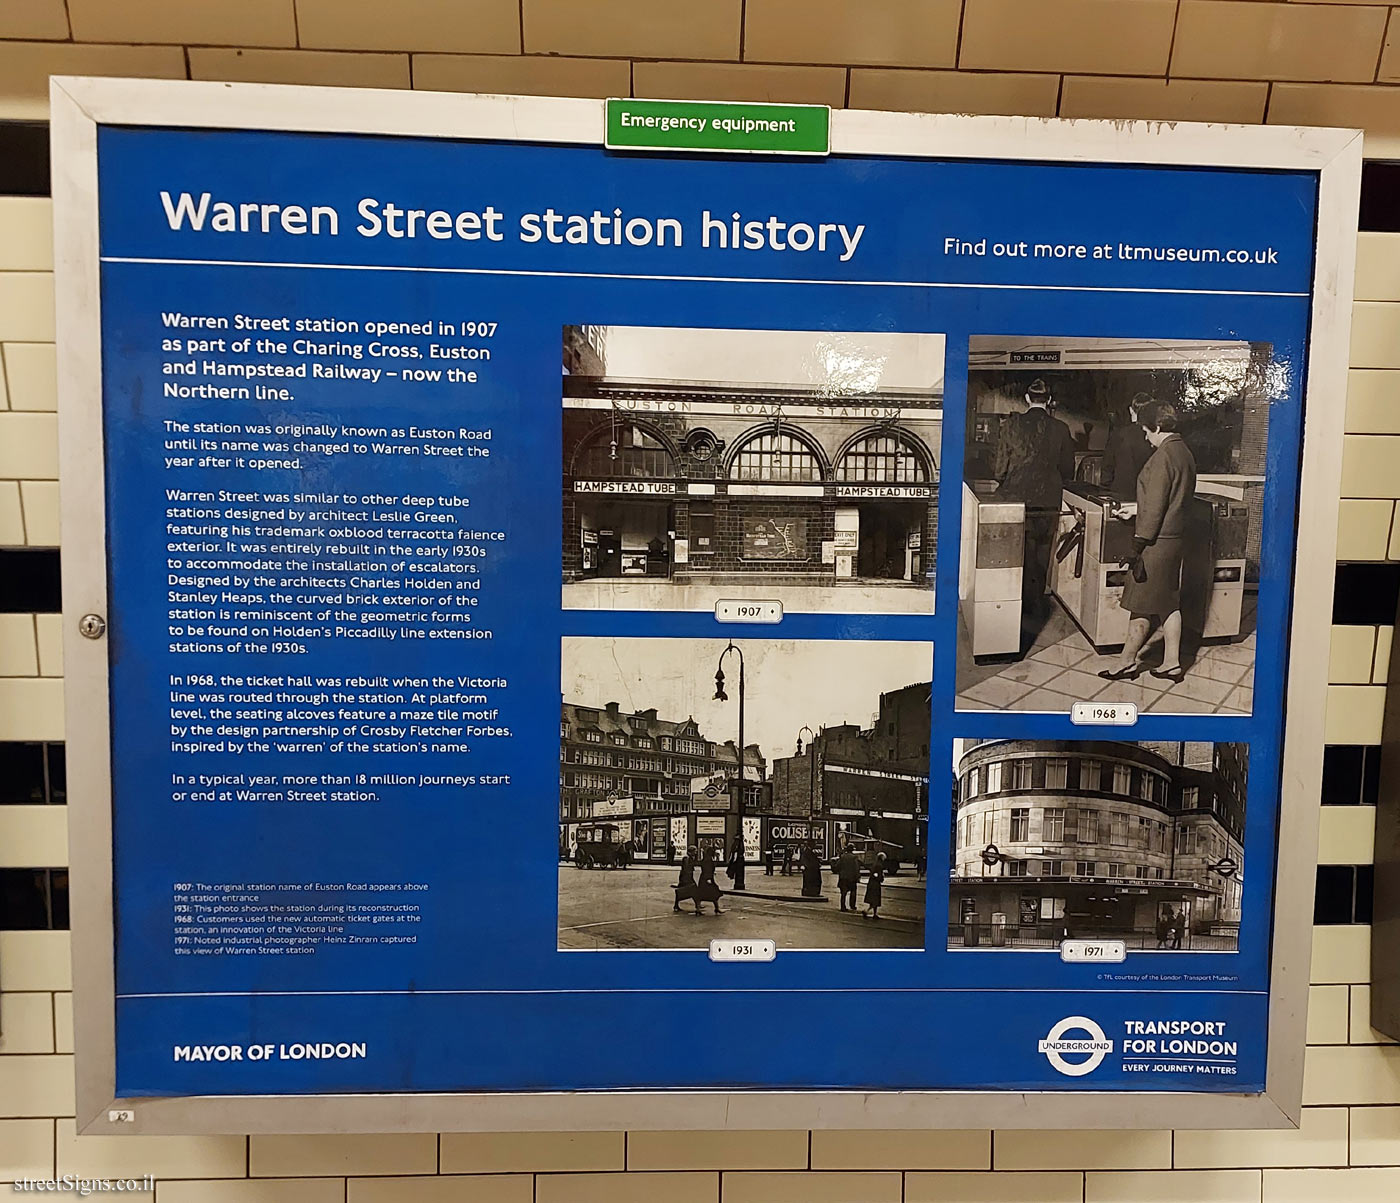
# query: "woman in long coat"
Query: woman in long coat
811,872
875,887
685,884
1152,593
708,889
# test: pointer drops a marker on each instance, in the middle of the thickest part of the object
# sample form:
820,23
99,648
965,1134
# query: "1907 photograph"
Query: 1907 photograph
1062,839
794,465
819,842
1112,511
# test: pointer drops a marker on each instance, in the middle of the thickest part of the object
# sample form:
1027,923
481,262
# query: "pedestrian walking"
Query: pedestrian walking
707,889
737,857
1164,927
768,861
848,877
685,884
811,872
875,887
1166,487
787,860
1178,928
670,852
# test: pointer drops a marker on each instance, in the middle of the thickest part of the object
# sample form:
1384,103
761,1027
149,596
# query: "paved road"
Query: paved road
631,908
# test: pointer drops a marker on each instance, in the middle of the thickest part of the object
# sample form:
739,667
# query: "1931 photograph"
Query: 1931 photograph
1062,839
1112,511
820,841
701,465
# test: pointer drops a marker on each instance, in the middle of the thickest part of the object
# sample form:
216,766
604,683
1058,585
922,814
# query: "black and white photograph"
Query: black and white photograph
797,466
820,841
1063,839
1112,507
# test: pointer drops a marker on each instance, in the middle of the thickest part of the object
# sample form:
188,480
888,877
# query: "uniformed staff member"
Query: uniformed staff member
1034,461
1125,453
1152,592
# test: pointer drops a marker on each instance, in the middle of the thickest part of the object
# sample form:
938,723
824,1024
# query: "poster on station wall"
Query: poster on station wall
895,549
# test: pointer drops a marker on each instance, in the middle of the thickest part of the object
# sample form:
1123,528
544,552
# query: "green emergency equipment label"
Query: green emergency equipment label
719,127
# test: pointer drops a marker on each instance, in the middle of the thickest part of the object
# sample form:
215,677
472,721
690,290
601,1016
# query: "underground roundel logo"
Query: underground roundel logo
1062,1039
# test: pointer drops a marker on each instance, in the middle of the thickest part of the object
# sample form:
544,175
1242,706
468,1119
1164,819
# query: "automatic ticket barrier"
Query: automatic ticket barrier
989,569
1088,568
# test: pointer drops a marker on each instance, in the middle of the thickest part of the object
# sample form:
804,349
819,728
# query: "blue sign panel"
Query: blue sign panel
878,548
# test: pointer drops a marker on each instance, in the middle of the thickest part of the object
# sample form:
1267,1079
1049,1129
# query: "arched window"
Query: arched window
624,450
883,458
777,456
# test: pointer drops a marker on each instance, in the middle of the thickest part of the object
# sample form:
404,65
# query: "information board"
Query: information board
1064,397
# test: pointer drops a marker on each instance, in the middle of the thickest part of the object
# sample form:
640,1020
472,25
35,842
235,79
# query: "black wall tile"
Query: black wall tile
30,580
1367,594
24,158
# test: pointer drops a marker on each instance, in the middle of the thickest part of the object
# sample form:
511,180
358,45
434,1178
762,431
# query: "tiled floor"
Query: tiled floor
1062,668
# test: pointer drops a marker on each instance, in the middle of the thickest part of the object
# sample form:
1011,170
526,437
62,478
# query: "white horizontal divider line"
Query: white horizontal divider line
671,279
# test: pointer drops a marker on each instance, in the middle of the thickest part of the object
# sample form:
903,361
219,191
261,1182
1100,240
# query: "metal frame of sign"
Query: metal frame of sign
80,105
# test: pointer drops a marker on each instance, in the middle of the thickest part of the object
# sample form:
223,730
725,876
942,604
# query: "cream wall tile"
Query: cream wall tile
1358,1073
25,68
716,1150
834,1187
246,23
484,1188
257,1190
1221,39
321,1156
11,516
26,234
993,1188
39,502
1180,1186
31,374
36,1086
1375,1136
336,68
1007,93
1081,1150
34,19
31,708
19,655
901,1150
4,389
1320,1140
1377,267
26,298
633,28
62,1023
1341,954
50,632
35,960
531,1152
26,1021
1163,100
1353,651
1375,110
1373,402
1361,1030
1368,464
1380,671
484,26
1328,1020
1348,835
26,1149
740,81
1363,528
1354,714
29,446
527,75
33,837
160,1156
1331,1186
882,32
1375,334
627,1188
1086,36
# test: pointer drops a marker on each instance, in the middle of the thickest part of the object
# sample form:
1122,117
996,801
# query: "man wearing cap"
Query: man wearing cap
1034,461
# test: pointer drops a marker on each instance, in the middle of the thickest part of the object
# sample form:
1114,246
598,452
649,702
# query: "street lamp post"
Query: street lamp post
812,768
721,696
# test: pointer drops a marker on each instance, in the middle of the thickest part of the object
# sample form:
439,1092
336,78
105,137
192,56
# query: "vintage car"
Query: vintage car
601,846
867,848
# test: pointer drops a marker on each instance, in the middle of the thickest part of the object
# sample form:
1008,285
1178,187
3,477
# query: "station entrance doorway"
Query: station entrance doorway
888,538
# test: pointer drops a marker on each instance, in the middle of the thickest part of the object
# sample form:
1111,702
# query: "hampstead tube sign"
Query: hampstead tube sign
564,636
